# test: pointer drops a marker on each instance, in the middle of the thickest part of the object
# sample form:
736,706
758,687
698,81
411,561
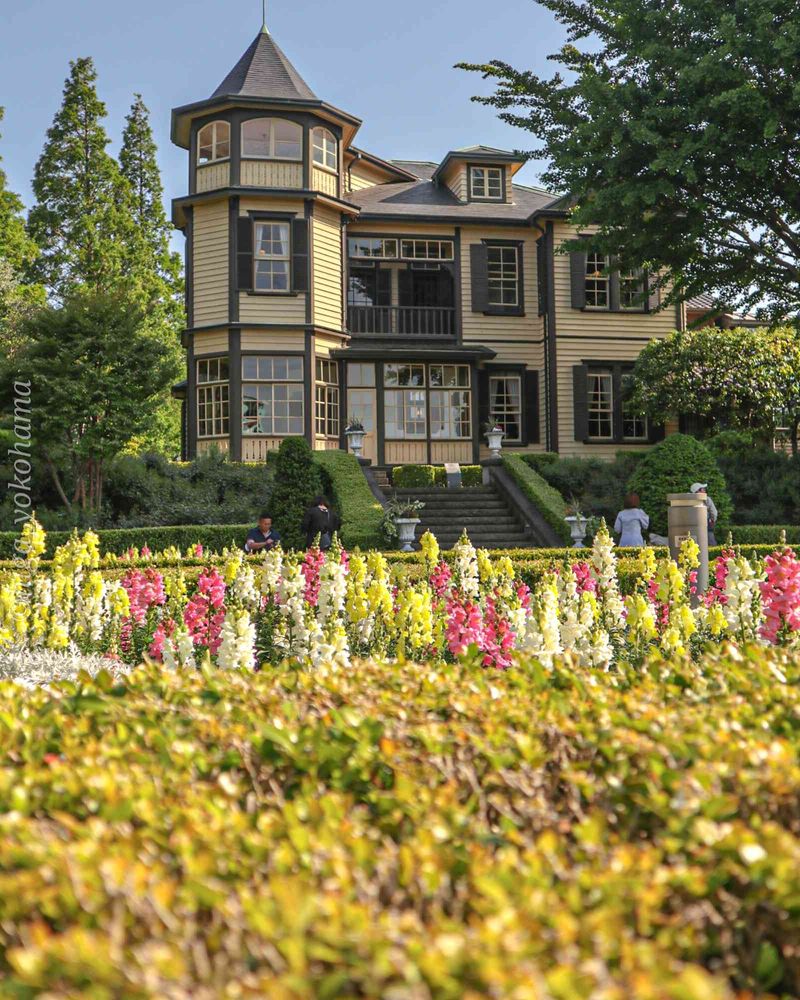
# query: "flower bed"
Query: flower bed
393,830
315,608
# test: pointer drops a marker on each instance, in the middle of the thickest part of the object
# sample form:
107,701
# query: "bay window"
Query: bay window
273,395
212,398
213,142
325,148
418,397
272,139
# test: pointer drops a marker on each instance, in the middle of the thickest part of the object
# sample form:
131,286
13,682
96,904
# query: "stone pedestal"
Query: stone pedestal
688,518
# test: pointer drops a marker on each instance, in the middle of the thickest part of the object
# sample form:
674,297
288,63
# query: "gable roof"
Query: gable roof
265,71
479,154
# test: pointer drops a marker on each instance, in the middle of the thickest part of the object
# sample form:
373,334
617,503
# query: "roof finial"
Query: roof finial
264,27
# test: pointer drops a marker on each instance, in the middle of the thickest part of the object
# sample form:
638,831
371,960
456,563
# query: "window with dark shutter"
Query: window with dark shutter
479,260
244,253
580,401
300,275
577,275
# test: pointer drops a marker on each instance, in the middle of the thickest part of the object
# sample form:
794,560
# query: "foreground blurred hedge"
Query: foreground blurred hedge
395,831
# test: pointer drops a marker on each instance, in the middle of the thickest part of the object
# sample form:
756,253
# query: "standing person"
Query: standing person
320,520
631,523
712,511
263,536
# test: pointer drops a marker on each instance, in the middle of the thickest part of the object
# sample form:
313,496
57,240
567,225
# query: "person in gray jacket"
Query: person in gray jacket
631,523
712,510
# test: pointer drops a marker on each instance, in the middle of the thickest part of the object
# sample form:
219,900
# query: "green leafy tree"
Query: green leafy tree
740,379
155,271
297,482
673,127
82,220
95,369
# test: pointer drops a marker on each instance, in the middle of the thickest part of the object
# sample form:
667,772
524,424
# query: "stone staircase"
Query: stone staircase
482,511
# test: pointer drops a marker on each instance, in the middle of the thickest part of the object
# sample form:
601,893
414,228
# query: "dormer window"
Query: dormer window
272,139
486,184
213,142
325,148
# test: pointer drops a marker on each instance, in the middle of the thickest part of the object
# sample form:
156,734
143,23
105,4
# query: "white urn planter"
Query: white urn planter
495,441
355,441
406,529
577,526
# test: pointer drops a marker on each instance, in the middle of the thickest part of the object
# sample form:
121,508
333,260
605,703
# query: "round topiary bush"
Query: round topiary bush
671,467
297,482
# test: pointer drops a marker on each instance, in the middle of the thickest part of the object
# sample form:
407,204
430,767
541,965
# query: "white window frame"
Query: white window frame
216,141
213,398
272,140
481,182
414,249
596,282
268,389
500,415
327,399
377,248
600,412
404,402
506,275
260,256
450,414
631,285
325,149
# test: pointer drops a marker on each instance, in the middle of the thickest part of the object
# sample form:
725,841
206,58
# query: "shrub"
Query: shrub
764,484
541,494
297,482
598,486
671,467
418,477
763,534
539,460
360,512
585,830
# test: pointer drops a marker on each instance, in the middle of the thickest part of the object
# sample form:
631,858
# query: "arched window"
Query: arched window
214,142
325,148
272,139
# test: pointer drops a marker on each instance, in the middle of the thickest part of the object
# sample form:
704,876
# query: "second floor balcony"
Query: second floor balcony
402,321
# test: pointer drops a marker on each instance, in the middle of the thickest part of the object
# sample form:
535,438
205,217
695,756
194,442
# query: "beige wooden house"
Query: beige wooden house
425,299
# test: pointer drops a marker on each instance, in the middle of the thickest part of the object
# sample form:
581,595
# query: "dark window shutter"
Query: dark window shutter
300,276
483,400
383,293
613,287
657,432
479,260
580,401
541,274
244,253
530,386
653,300
577,274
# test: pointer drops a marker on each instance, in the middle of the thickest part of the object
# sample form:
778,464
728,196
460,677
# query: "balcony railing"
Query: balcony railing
402,321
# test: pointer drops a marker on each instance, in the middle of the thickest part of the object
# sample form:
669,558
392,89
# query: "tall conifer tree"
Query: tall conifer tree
82,219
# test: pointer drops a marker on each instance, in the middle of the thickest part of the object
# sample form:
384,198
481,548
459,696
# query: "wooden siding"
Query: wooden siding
327,245
455,178
254,308
326,444
205,445
254,449
271,173
363,176
213,342
210,263
212,176
273,341
594,335
325,181
406,452
451,451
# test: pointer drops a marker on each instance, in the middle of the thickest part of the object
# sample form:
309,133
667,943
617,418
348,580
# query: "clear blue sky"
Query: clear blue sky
389,64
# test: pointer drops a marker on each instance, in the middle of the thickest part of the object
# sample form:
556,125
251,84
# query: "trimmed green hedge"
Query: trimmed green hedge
417,477
763,534
547,500
213,538
352,498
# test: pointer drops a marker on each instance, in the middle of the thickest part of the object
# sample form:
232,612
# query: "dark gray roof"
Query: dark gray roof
424,199
707,303
264,71
423,169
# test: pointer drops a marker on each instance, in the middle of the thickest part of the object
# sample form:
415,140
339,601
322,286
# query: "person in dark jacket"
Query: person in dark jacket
320,520
262,537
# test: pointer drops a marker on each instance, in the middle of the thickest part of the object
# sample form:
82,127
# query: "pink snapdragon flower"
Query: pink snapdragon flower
464,626
440,579
311,570
204,614
498,638
584,580
145,589
780,595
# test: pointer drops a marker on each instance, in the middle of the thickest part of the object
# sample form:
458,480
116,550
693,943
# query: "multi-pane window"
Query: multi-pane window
369,247
272,139
503,263
451,414
600,405
212,398
327,398
634,423
359,375
597,280
214,142
505,405
404,414
486,182
631,290
271,260
426,249
411,375
273,395
443,391
325,148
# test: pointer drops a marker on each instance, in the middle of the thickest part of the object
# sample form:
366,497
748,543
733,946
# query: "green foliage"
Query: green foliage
664,824
82,220
94,371
413,477
349,491
764,534
639,122
598,487
548,501
764,484
540,460
297,482
671,467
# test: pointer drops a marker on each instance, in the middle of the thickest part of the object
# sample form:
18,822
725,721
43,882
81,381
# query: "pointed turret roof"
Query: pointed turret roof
265,71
